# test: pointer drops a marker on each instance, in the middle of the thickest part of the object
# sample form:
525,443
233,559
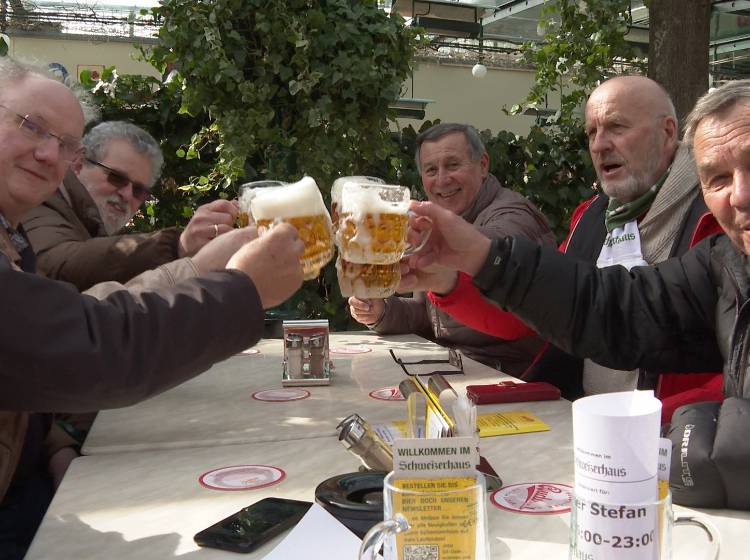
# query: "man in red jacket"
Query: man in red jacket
651,209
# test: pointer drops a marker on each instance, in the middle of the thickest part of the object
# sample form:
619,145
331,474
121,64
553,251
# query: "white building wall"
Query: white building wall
457,96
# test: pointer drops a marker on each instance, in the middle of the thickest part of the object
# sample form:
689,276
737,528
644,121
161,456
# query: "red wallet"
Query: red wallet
511,391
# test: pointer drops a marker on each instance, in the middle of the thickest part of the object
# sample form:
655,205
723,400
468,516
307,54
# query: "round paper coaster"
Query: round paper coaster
281,395
250,351
241,477
387,394
353,349
534,498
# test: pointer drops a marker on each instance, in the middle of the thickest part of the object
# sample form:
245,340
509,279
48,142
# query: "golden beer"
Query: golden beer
366,281
301,205
372,222
373,238
315,233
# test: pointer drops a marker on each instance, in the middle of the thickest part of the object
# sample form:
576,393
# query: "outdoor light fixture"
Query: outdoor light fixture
410,108
479,70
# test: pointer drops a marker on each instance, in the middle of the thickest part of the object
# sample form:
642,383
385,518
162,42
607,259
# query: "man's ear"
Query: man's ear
671,129
484,163
77,165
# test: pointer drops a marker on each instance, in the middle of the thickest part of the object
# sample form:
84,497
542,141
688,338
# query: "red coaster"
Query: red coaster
281,395
241,477
352,349
387,394
534,498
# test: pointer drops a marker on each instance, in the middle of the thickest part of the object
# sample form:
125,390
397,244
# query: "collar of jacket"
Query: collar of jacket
83,205
14,244
487,193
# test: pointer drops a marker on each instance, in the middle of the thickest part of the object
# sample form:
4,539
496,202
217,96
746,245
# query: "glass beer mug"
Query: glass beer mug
373,223
430,518
301,205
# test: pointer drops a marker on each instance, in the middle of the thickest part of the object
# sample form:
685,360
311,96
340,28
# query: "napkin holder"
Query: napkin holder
306,354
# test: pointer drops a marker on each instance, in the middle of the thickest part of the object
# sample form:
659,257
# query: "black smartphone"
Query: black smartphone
252,526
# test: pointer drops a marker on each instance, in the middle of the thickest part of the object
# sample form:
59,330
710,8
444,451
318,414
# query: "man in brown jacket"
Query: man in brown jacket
62,350
454,166
77,234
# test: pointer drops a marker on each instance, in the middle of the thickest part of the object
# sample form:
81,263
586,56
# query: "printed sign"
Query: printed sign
241,477
444,517
534,498
616,447
387,394
426,458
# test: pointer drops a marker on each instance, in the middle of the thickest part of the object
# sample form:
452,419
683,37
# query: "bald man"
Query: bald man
651,209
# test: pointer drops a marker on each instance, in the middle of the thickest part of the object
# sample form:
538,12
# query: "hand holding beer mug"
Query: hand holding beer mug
301,205
371,235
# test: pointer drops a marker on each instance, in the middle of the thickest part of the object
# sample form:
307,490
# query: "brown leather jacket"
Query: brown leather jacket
496,211
71,243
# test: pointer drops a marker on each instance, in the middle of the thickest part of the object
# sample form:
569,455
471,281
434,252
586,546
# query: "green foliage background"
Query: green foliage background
278,89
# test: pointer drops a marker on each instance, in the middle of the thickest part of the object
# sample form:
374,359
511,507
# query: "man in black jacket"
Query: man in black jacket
676,315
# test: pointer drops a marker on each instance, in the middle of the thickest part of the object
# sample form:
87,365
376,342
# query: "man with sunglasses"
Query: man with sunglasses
66,351
77,233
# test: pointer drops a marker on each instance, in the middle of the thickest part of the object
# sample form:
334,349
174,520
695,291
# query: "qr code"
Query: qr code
421,552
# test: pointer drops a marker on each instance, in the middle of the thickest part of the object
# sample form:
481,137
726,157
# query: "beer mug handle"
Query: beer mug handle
412,249
378,533
699,521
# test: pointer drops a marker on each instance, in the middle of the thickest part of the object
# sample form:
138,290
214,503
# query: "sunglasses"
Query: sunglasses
454,359
120,181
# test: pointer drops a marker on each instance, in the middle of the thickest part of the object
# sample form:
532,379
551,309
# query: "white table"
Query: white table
217,407
148,505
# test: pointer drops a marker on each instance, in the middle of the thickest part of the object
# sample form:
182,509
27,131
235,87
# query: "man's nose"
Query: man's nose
599,142
49,151
741,189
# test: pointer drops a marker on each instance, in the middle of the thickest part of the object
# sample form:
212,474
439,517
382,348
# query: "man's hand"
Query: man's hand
454,243
217,252
366,311
209,221
432,278
273,264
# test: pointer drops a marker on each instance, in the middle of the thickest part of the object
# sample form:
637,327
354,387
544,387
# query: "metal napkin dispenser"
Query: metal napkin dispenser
306,356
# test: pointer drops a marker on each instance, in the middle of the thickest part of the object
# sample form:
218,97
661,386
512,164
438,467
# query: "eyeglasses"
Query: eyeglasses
120,181
454,359
70,147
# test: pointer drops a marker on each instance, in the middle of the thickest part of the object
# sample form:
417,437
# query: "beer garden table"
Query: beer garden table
218,407
148,503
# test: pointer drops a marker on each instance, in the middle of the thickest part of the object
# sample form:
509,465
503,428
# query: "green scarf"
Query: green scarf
620,213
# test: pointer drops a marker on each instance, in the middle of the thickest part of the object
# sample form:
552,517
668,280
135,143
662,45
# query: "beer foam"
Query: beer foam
288,201
360,201
339,183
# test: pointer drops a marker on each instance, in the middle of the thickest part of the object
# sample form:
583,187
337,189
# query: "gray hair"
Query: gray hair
98,138
476,146
13,71
715,102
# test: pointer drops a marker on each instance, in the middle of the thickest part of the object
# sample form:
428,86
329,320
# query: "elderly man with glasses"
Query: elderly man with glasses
77,234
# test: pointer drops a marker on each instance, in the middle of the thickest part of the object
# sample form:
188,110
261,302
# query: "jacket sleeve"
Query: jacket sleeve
466,304
63,255
658,317
64,351
405,315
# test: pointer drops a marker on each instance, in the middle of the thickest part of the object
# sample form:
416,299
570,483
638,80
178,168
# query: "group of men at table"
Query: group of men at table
148,311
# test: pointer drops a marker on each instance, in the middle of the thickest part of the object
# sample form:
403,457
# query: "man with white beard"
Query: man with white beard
77,233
